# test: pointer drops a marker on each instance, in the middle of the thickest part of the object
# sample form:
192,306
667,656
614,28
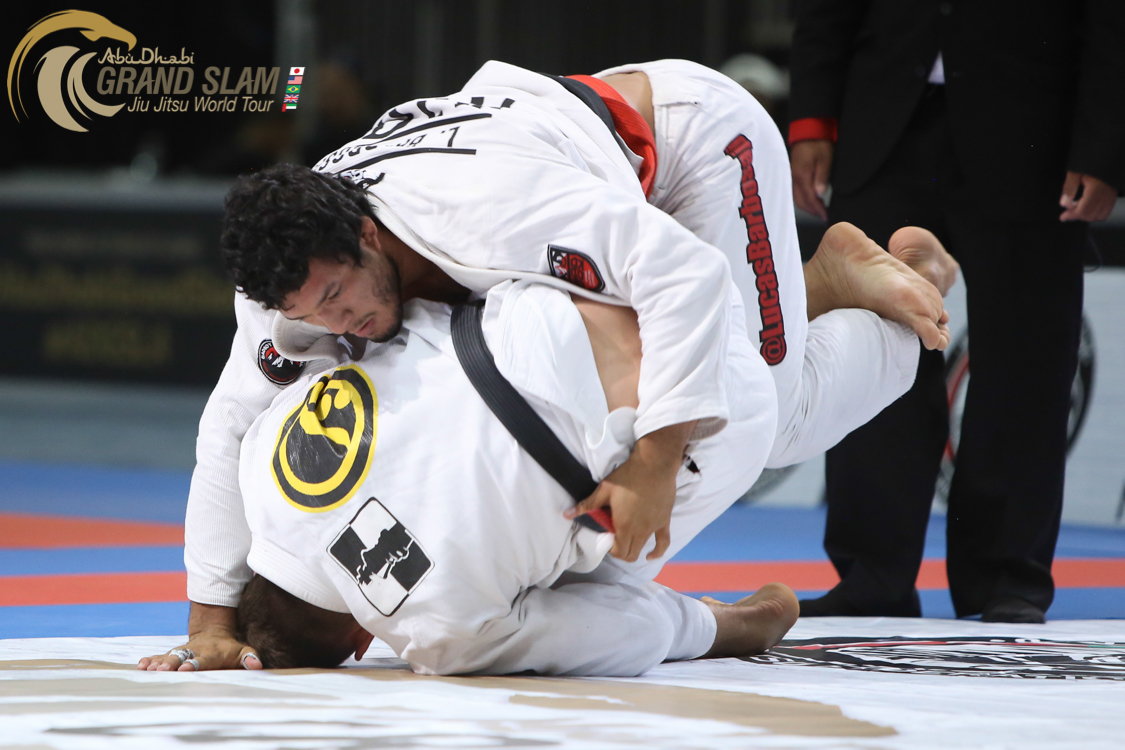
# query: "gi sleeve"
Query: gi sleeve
216,536
606,241
1098,137
823,39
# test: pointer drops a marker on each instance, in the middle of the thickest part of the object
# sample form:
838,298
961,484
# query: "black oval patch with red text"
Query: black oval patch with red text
575,267
277,369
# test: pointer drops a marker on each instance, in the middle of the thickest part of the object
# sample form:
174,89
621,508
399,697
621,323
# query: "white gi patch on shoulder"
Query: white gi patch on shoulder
383,557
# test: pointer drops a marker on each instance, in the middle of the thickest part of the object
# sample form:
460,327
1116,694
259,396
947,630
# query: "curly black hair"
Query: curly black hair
279,218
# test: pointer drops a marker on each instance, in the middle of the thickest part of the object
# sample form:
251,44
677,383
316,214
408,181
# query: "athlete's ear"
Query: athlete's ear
369,233
362,640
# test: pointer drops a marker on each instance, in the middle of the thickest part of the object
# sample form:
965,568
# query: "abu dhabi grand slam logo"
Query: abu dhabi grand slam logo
108,75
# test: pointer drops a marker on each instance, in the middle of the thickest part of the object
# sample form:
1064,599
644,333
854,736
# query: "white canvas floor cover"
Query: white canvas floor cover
899,684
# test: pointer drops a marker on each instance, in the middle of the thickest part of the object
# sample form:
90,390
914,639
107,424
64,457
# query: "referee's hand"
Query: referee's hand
811,165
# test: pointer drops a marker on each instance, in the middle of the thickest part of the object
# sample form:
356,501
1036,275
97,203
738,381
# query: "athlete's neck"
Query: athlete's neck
420,277
635,89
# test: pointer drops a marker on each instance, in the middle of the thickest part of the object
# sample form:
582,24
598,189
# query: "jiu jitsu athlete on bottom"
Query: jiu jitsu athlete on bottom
517,177
385,488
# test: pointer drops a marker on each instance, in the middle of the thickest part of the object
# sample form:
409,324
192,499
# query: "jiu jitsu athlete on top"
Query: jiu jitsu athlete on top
518,177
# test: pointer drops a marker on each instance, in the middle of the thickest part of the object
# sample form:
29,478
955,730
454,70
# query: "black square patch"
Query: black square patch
382,556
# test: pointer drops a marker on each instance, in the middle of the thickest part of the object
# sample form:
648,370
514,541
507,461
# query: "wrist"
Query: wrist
812,129
663,450
212,619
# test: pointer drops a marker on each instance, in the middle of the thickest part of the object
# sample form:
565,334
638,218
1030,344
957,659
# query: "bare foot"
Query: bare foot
850,270
922,251
754,624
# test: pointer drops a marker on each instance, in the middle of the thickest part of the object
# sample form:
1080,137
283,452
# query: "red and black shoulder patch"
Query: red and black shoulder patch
277,369
575,267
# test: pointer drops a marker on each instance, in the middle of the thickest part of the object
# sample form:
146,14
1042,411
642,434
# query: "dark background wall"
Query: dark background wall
109,264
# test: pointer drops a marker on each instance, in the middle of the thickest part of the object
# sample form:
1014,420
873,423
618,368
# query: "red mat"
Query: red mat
118,588
25,531
93,588
816,575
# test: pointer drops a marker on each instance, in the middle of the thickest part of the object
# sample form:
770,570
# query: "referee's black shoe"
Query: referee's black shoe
836,603
1009,608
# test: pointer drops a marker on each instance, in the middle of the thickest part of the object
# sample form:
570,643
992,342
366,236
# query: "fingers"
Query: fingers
811,162
805,189
599,499
628,543
1070,189
805,195
663,540
624,549
820,179
160,663
204,652
249,659
628,546
1095,204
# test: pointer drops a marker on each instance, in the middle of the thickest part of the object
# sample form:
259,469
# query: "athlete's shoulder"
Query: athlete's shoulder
470,123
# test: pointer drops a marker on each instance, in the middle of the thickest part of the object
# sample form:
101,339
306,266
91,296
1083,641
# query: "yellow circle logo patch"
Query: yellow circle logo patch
325,446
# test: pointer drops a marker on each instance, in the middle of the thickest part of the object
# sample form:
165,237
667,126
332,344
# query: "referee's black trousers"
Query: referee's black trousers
1024,284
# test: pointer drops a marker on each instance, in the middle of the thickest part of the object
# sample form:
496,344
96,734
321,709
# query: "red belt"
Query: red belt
630,126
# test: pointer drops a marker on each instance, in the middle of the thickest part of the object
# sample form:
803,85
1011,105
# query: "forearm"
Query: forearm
217,538
211,619
664,448
1097,145
823,37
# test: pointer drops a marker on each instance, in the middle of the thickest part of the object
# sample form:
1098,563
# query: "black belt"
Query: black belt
513,411
590,98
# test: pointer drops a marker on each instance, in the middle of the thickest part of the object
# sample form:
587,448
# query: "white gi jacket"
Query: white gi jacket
386,488
513,177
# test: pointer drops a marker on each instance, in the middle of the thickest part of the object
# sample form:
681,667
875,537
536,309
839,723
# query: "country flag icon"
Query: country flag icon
286,107
295,79
296,71
291,98
292,89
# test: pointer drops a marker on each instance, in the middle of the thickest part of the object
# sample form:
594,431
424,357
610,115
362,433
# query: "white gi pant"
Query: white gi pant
723,173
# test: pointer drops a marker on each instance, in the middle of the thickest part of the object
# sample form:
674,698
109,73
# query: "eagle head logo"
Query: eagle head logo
53,67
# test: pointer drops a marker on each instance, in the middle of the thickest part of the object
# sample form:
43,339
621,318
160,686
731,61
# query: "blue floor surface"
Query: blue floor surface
94,620
745,532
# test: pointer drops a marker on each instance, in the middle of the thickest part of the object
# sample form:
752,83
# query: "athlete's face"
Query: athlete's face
363,300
